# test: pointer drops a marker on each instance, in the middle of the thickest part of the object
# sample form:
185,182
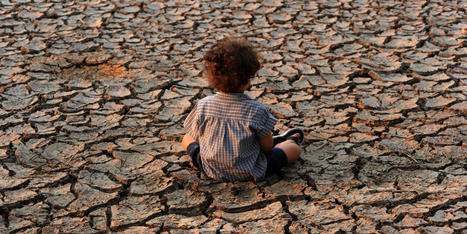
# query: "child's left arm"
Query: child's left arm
267,143
191,125
187,140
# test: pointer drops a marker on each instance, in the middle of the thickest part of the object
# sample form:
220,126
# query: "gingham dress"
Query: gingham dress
228,128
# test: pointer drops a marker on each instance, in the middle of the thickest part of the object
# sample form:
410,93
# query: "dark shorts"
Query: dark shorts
276,159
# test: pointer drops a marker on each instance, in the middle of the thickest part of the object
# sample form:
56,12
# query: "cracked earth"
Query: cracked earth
94,94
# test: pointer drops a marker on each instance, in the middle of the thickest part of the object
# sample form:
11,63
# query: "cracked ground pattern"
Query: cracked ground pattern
94,95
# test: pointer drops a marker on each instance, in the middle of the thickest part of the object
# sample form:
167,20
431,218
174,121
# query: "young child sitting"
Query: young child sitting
229,136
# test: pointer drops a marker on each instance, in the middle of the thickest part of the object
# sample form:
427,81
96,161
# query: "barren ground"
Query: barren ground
94,94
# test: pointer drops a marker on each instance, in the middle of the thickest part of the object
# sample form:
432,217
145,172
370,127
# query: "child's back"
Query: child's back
227,127
229,135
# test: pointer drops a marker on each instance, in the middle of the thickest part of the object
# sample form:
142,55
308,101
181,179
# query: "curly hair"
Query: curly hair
230,64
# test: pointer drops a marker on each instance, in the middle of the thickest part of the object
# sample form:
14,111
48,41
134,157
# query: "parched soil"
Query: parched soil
93,95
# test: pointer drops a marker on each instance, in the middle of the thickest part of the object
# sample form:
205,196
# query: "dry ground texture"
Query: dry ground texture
94,94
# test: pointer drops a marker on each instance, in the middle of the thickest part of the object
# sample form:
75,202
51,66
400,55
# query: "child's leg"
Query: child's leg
287,151
291,149
187,140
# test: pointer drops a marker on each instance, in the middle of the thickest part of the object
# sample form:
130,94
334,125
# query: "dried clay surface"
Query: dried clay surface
93,95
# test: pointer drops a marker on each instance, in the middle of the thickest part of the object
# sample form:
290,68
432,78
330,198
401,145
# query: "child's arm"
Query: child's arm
187,140
266,143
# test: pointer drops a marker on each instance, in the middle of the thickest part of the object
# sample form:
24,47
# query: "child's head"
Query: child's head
230,64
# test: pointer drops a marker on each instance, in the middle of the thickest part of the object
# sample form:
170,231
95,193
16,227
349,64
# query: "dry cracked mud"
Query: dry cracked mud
94,94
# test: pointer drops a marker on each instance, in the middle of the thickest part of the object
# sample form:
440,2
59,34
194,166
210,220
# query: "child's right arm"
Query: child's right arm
267,143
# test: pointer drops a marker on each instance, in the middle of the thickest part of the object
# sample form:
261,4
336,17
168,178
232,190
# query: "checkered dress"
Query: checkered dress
228,128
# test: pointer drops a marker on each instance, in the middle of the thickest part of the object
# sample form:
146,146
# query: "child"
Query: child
229,136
